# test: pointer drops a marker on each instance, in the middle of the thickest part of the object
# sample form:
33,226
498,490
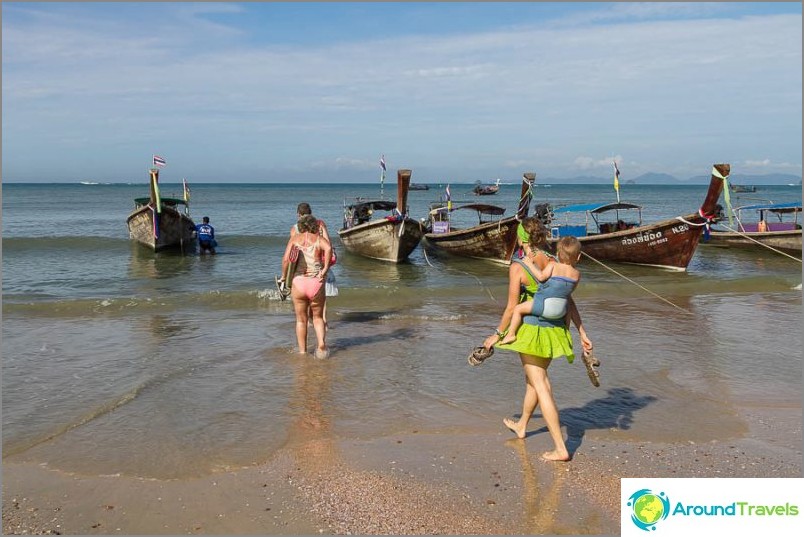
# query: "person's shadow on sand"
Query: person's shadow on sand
615,411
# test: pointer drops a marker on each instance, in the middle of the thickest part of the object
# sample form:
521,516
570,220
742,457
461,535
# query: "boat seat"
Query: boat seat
567,231
781,226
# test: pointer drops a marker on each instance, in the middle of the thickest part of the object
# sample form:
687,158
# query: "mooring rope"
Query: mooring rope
626,278
479,281
716,340
760,243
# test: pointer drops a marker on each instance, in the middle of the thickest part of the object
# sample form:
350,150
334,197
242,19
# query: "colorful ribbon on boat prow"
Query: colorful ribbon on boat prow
712,217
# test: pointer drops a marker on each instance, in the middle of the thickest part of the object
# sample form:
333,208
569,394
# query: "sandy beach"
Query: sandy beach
409,483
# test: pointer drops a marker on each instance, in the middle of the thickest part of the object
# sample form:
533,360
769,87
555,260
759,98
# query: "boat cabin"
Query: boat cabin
441,218
362,211
777,216
594,219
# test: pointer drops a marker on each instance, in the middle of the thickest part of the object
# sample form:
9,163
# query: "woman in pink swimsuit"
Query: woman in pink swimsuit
309,276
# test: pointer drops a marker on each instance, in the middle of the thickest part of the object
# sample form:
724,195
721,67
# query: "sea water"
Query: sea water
168,365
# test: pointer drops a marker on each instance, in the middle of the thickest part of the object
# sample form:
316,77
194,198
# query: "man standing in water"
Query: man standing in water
206,236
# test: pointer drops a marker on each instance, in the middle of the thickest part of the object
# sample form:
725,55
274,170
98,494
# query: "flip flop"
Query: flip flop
592,363
479,355
282,288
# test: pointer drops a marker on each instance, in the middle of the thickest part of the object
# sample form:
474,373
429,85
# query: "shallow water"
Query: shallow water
170,366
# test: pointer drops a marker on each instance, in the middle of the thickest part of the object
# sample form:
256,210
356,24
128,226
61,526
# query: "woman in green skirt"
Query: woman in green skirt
537,346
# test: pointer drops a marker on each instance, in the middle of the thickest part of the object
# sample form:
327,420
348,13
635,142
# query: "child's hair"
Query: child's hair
308,223
537,235
304,208
568,249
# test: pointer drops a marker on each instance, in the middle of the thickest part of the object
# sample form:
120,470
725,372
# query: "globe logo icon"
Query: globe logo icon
648,508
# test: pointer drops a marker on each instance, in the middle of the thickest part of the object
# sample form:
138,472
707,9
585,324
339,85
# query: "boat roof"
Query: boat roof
382,205
483,208
778,207
169,201
595,207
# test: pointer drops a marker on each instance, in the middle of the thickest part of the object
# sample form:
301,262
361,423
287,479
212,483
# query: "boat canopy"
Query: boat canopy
595,208
165,201
375,205
774,207
482,208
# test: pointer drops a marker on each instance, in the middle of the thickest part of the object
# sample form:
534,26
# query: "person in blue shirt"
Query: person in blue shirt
206,236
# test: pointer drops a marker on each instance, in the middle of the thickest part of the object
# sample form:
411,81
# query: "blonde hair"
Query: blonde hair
568,250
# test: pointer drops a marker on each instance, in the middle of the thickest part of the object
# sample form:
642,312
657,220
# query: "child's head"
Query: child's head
537,235
569,250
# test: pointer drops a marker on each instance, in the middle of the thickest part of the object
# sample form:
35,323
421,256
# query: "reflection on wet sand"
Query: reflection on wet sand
541,504
310,432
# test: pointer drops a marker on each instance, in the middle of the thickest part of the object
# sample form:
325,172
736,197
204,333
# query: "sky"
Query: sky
317,92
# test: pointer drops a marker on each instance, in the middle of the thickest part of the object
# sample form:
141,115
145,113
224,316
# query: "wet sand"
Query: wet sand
412,483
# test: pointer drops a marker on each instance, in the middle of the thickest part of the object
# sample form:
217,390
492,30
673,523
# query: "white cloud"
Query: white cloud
656,89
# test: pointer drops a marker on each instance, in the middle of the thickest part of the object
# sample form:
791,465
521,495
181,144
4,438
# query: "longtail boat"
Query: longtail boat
783,228
492,239
391,236
666,244
486,190
161,223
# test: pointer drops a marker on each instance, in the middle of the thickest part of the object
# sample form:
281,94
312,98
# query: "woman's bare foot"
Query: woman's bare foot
510,338
518,430
555,455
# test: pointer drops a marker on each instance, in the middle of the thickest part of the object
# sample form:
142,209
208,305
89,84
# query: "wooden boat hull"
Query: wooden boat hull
494,241
383,239
491,241
785,241
175,229
667,244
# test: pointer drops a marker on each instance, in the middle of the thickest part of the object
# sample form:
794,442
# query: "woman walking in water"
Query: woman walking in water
530,338
312,253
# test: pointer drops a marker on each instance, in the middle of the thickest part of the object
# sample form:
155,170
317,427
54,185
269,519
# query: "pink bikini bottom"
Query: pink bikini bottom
309,285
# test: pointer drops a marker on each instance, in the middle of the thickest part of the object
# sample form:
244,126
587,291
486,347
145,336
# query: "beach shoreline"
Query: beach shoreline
410,483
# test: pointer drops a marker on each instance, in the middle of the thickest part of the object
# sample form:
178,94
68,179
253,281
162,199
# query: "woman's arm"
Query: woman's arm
575,318
326,251
323,231
286,259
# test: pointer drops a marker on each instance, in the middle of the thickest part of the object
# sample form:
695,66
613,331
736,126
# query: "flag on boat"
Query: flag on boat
159,161
449,199
382,174
186,191
616,176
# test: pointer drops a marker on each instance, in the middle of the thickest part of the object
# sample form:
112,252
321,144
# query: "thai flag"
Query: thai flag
382,163
159,161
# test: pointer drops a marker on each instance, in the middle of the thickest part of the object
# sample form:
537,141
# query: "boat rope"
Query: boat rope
479,281
626,278
760,243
